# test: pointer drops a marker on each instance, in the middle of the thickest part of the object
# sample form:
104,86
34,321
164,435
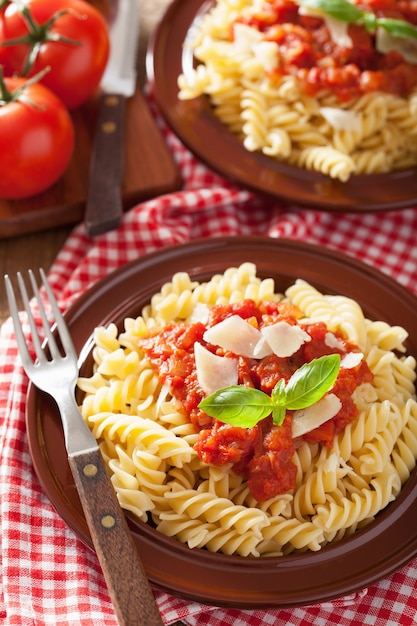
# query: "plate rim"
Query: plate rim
192,120
407,504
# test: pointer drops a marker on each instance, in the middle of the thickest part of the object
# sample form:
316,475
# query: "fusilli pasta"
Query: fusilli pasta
269,111
147,440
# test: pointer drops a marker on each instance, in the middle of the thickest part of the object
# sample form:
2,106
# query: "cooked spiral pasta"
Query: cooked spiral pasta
199,534
147,440
210,508
405,449
292,534
324,159
271,114
375,454
131,495
253,115
319,480
134,432
364,429
360,506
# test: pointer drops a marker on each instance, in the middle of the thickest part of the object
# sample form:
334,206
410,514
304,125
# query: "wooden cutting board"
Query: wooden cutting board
150,170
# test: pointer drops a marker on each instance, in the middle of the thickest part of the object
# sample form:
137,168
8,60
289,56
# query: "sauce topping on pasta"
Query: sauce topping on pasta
262,454
149,441
309,50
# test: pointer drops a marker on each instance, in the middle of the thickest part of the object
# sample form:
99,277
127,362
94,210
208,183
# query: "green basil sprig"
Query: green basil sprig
345,11
244,406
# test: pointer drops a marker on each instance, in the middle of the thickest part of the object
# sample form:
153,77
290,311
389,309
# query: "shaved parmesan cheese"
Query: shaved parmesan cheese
341,119
331,464
351,359
214,372
244,37
338,30
337,464
238,336
333,342
385,42
285,339
247,40
200,313
267,54
262,349
305,420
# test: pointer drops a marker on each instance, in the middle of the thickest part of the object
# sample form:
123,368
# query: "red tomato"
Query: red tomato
36,140
75,68
4,53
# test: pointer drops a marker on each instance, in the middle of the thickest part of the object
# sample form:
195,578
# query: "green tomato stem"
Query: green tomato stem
38,34
7,96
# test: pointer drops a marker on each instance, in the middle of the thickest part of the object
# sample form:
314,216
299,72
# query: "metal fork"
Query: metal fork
56,373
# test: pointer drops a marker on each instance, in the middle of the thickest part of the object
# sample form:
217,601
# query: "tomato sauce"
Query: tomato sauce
263,453
308,51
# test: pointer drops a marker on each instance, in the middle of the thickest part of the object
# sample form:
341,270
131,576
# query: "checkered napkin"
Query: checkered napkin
48,576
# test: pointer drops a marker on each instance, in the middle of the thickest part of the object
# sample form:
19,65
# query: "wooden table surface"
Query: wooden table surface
39,249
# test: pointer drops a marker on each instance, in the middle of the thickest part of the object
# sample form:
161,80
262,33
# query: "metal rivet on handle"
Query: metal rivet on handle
111,101
90,470
109,127
108,521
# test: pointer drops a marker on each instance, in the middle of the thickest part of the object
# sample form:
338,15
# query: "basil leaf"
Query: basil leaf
278,414
397,28
342,10
279,402
345,11
244,406
369,21
237,405
311,381
279,394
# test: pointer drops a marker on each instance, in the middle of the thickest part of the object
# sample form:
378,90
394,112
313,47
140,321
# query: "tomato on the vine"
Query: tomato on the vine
36,138
68,36
4,54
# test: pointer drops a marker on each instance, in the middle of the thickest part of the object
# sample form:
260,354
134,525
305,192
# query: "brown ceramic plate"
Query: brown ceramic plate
197,127
338,569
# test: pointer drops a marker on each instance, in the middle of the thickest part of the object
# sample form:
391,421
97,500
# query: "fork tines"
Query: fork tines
47,327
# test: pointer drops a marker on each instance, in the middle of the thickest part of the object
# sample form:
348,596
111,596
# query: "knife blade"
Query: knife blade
104,197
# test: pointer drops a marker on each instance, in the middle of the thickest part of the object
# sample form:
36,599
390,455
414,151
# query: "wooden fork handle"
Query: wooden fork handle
126,579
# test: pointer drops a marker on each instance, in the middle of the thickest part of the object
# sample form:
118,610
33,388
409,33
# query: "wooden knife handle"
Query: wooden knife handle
104,199
126,579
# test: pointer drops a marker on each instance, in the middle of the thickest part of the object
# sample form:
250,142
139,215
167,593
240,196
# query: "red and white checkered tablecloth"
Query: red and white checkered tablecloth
48,577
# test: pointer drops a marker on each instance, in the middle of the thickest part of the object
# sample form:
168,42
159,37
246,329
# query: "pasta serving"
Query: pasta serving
307,89
149,440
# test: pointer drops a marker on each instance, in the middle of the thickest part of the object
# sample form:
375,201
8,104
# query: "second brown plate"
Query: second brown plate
197,127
